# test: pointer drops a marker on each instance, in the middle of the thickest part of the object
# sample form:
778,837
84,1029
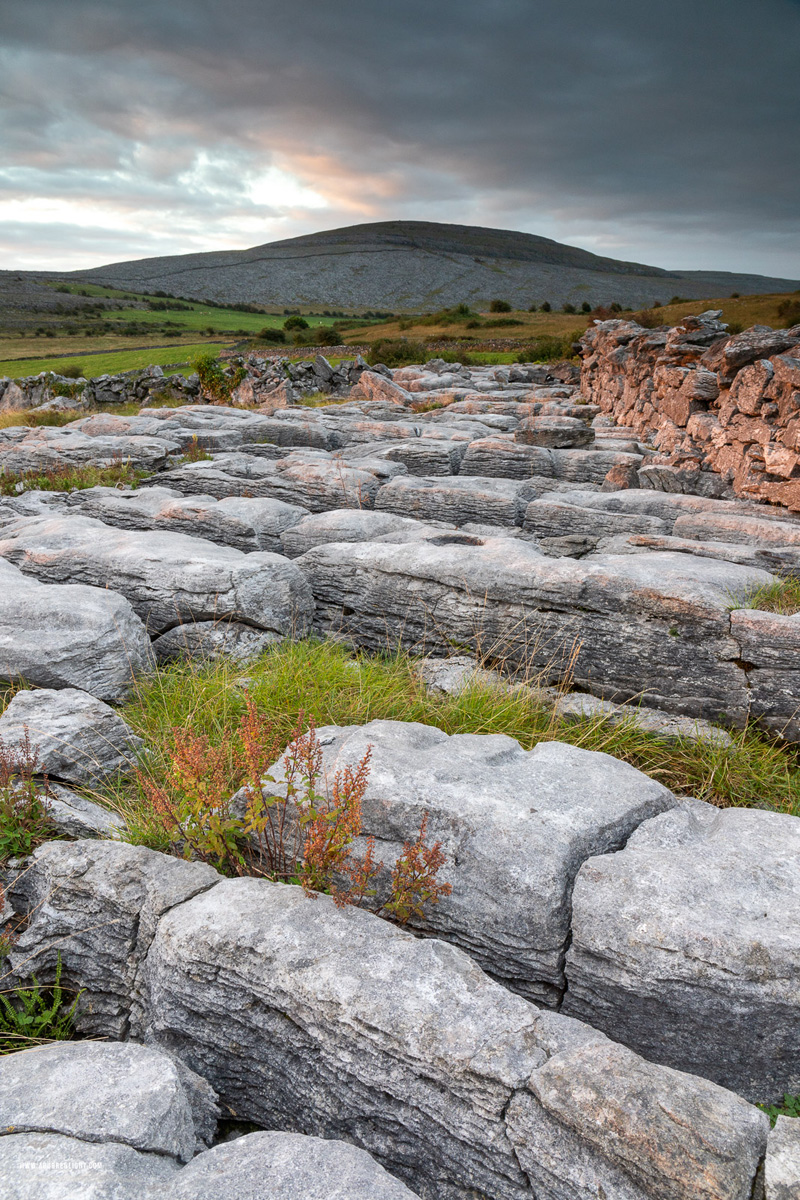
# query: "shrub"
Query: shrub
73,371
499,306
216,384
396,352
327,336
568,308
268,334
532,308
586,307
295,322
549,348
546,306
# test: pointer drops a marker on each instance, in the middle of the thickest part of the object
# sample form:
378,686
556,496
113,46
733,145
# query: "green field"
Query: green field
112,362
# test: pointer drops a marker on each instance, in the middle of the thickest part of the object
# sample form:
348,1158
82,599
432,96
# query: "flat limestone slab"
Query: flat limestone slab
686,946
69,635
514,824
168,578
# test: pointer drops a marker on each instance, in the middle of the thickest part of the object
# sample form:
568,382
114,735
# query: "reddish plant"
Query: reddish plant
414,882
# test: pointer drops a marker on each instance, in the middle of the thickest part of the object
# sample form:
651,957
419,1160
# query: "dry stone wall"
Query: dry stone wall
708,402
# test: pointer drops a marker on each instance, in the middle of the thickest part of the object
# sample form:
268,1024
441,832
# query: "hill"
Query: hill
413,265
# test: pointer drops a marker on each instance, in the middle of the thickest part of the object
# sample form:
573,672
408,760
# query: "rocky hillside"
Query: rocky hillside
408,265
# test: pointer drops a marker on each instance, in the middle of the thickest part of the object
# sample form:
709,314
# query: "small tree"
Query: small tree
296,322
499,306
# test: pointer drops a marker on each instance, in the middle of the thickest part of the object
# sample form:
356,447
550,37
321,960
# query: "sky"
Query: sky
661,133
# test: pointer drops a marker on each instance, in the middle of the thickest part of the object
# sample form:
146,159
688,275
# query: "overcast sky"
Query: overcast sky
663,133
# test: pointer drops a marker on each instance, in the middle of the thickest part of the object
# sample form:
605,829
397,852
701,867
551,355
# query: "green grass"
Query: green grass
68,479
112,362
782,596
323,680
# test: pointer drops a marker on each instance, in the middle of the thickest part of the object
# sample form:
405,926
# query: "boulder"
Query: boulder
348,525
77,737
654,626
332,1023
108,1092
169,578
212,639
100,902
684,946
554,432
456,499
245,523
373,386
286,1166
782,1166
515,826
49,448
315,484
598,1121
577,706
69,635
78,817
49,1166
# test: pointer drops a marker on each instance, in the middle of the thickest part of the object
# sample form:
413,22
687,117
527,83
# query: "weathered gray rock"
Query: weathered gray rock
107,1092
333,1023
212,639
655,626
49,1166
169,578
244,523
98,903
567,528
555,432
429,456
684,946
782,1166
286,1166
47,447
580,705
78,817
770,644
69,636
457,499
315,484
514,824
454,675
77,737
348,525
600,1122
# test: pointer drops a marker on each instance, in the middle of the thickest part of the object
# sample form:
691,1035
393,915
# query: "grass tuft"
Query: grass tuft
781,596
68,479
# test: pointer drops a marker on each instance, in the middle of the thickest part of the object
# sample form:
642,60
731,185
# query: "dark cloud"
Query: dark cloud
666,134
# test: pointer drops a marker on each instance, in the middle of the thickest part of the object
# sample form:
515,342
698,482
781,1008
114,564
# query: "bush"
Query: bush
396,352
73,371
568,308
327,336
549,348
499,306
269,334
546,306
295,322
586,307
216,384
